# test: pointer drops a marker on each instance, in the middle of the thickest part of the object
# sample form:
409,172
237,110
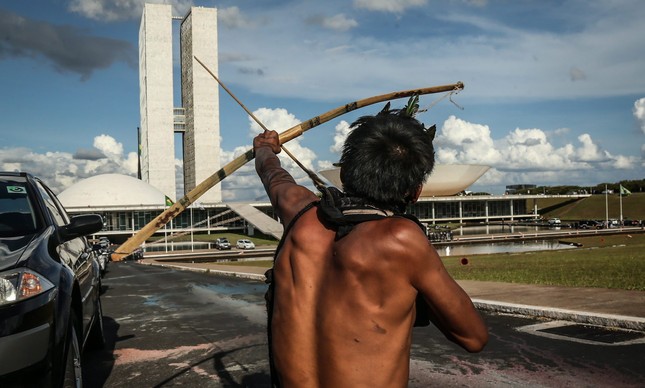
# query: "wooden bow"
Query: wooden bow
173,211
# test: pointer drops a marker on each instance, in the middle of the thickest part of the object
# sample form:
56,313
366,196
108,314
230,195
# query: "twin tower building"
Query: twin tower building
195,116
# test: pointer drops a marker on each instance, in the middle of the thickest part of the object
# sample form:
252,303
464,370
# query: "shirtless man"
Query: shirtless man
343,307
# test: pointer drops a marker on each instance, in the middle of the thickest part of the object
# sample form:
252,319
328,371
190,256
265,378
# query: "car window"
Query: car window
16,211
55,208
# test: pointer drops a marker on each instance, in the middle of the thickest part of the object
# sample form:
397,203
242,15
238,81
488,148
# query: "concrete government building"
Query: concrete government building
197,120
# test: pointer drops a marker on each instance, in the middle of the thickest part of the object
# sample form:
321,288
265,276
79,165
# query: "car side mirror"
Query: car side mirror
82,226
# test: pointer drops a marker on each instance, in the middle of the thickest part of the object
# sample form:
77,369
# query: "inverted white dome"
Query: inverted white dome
111,190
445,180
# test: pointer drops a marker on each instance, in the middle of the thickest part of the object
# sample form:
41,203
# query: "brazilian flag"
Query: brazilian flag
169,201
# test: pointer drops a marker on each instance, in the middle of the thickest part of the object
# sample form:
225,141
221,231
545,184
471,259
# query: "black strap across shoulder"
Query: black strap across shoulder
343,213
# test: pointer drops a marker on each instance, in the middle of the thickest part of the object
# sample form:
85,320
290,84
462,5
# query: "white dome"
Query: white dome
111,190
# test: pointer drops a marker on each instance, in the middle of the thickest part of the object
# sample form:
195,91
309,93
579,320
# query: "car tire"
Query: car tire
96,337
72,374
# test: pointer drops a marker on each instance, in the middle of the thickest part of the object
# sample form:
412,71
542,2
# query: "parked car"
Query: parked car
105,242
50,306
103,255
590,224
245,244
554,221
222,243
136,254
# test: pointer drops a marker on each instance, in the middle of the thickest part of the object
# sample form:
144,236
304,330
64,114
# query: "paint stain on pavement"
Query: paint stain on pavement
131,355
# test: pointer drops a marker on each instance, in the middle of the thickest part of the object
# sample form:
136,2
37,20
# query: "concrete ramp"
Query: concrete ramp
259,220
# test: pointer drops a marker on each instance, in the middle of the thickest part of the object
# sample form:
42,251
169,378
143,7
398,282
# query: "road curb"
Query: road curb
242,275
600,319
609,320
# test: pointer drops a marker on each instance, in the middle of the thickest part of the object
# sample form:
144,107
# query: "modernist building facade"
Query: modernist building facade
125,212
431,211
196,117
123,222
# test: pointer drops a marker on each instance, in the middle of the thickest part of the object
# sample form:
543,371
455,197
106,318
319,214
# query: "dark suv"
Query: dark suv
50,307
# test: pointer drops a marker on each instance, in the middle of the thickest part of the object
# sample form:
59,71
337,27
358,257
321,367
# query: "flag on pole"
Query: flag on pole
624,191
169,201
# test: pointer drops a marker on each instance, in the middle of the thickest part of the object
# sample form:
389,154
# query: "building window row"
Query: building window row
221,218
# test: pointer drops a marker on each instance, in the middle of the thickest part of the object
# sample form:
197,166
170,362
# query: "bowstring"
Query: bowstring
446,95
312,175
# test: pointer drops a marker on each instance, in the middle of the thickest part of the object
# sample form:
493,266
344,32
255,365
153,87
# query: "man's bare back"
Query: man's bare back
346,314
343,309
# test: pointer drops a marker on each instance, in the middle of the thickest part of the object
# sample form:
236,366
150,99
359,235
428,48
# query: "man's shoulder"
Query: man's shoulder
397,229
403,223
394,240
294,201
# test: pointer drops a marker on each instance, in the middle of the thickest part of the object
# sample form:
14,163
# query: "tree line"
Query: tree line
633,186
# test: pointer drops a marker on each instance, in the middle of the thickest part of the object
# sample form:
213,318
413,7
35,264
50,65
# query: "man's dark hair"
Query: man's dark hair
386,158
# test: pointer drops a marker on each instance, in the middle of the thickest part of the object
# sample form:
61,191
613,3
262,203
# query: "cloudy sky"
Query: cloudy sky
554,90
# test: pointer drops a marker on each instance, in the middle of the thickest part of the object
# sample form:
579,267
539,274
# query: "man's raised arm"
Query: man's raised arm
287,197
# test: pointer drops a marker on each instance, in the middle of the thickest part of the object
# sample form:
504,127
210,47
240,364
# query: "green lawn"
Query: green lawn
616,261
595,207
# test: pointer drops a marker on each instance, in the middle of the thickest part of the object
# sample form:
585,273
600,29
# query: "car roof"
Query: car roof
13,177
19,176
15,174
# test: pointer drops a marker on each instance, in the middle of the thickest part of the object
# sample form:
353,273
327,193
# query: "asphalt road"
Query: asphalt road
167,327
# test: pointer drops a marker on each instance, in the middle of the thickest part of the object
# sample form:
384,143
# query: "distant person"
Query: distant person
344,287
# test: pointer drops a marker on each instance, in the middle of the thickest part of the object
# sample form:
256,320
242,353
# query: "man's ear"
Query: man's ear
417,194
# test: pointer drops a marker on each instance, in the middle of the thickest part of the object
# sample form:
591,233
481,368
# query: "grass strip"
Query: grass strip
616,261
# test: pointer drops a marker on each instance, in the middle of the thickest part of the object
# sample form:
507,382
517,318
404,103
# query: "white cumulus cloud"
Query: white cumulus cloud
459,141
394,6
59,170
526,156
589,151
340,22
639,112
244,184
231,17
111,11
342,130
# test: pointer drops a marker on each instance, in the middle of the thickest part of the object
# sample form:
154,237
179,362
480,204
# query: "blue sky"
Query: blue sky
554,90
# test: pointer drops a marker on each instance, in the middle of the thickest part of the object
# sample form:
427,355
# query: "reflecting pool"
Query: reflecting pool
500,247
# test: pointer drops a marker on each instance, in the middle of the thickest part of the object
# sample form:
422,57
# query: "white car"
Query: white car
245,244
